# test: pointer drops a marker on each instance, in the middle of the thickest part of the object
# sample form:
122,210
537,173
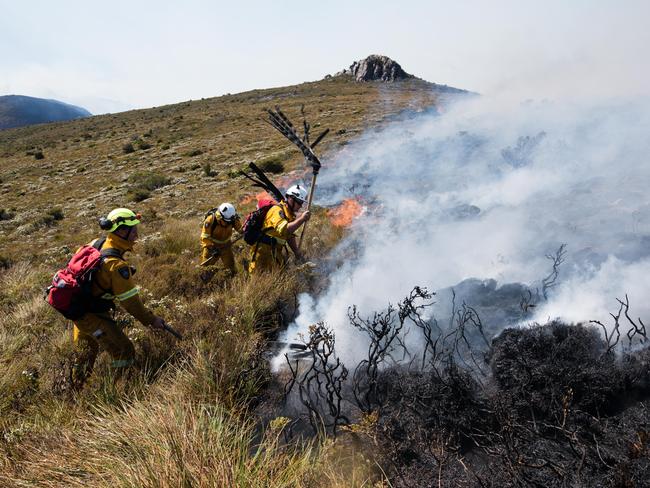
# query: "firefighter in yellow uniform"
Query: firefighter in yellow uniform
112,282
216,234
278,231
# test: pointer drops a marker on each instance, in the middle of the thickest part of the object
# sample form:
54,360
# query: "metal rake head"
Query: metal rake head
279,121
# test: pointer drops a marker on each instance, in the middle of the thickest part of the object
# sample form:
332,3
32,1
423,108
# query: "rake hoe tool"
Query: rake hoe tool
279,121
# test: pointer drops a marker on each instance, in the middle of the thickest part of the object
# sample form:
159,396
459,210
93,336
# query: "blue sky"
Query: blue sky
118,55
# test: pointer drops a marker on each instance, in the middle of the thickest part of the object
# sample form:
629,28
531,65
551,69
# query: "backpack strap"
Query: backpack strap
112,253
99,243
264,237
109,252
213,212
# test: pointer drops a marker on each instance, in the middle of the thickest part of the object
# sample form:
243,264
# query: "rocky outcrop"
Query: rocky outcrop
376,68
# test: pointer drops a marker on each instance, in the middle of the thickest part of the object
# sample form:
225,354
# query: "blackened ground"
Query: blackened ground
558,409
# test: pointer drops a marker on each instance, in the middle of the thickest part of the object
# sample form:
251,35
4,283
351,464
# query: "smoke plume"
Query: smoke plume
476,199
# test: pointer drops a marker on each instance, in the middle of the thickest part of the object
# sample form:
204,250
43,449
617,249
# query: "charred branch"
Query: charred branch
384,331
321,381
551,280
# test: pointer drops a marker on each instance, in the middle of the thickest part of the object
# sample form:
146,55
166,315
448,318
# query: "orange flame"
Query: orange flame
255,198
345,213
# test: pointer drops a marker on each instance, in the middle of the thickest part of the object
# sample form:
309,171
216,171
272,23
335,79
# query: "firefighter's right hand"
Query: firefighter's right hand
158,323
306,215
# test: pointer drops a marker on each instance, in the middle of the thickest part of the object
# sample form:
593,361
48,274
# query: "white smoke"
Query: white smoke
486,191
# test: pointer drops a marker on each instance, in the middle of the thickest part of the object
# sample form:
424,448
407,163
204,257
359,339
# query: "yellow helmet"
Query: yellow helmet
119,217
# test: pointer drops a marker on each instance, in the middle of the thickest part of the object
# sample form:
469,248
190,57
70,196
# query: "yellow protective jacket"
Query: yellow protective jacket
265,256
216,232
114,281
276,221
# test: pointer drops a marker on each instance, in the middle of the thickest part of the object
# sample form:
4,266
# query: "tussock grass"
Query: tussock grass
172,441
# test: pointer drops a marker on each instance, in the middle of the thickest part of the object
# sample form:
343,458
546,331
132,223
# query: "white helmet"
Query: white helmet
227,211
298,192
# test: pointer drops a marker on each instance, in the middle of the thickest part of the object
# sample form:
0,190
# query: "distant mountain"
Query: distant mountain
18,111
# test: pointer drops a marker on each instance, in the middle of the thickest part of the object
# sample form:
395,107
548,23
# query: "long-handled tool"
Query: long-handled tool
172,331
282,124
309,200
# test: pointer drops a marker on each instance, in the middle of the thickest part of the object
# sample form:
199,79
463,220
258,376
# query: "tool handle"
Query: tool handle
309,200
172,331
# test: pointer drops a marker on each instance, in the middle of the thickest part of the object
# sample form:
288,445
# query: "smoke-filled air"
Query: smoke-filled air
476,203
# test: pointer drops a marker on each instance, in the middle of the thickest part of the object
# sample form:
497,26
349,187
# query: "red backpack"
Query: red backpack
254,223
70,291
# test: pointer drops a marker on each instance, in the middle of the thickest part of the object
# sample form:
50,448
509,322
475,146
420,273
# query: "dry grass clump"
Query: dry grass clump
172,440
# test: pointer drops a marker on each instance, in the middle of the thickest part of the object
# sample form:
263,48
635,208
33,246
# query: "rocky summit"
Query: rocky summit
376,68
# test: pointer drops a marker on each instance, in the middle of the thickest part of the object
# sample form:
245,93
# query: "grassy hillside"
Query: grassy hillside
184,417
87,167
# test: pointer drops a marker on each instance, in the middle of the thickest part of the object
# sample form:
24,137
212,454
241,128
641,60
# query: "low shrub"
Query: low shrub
142,183
5,262
5,214
142,145
52,216
208,171
271,165
138,194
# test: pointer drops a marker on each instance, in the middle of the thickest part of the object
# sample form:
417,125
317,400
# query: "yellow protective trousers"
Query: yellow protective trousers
224,254
95,331
265,257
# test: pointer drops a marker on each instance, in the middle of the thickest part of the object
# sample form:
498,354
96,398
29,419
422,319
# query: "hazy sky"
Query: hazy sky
111,56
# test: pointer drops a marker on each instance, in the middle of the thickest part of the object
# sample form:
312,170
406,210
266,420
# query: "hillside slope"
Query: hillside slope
87,167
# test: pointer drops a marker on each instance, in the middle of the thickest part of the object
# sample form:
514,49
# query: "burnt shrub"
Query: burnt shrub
544,370
558,406
128,148
424,406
